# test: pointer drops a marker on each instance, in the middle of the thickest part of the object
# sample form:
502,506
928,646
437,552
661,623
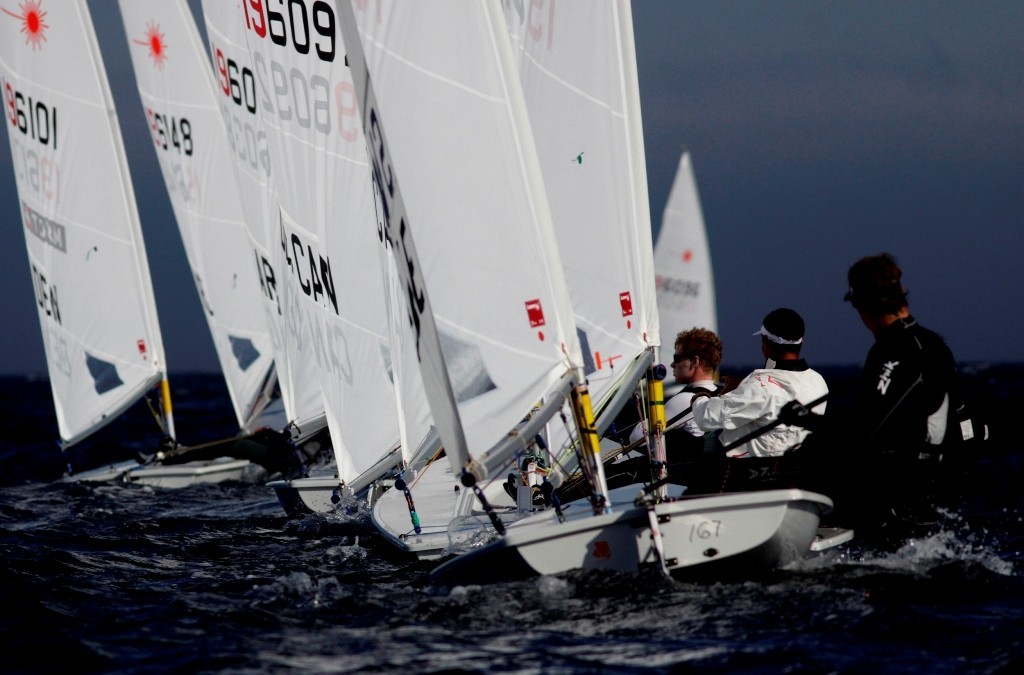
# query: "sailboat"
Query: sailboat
598,108
90,274
177,92
329,229
682,260
282,307
487,306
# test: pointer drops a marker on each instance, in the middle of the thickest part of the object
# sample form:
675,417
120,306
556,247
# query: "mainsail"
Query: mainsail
682,261
329,226
240,100
178,97
470,225
82,232
577,65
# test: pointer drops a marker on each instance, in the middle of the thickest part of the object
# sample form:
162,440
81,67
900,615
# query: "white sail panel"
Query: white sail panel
462,153
77,207
239,104
179,101
308,106
414,417
682,261
578,72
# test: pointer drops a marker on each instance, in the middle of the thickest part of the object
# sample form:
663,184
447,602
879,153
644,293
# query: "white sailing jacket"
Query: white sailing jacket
756,402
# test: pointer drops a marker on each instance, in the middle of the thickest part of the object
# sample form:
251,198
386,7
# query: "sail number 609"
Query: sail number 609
293,24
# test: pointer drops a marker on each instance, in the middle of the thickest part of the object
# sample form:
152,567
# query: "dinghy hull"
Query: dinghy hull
722,535
322,494
168,475
303,496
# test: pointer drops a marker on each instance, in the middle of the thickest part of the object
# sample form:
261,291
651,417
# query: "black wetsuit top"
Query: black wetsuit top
891,468
908,373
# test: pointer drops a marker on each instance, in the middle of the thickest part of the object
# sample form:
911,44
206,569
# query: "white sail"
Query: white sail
335,249
470,224
240,100
682,261
415,420
85,248
578,70
179,100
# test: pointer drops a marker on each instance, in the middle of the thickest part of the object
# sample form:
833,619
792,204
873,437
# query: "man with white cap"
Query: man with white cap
759,398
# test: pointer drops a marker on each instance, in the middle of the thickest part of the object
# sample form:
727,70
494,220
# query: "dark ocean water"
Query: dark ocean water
215,578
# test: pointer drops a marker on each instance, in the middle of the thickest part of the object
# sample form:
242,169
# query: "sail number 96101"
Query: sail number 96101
33,118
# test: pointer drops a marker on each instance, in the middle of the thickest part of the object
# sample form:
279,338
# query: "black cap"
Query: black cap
783,326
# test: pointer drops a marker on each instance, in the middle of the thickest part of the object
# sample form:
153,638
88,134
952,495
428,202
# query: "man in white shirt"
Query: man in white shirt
759,398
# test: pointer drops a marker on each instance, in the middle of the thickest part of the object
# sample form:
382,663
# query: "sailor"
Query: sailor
697,355
758,399
903,401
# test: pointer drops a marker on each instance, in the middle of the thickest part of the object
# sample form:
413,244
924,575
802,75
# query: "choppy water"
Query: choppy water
215,578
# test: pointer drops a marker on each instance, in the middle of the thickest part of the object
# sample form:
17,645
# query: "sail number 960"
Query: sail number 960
304,27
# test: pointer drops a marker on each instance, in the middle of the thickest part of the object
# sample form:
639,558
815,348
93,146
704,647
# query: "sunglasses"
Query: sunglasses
676,358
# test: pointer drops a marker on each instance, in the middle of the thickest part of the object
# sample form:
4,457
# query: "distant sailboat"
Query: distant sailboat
682,262
89,269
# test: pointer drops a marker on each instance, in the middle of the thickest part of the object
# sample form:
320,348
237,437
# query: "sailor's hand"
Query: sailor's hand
796,414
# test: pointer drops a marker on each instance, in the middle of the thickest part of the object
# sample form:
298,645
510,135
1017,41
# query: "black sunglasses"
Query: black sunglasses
676,358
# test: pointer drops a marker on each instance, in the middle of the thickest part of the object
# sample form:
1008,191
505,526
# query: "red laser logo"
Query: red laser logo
33,22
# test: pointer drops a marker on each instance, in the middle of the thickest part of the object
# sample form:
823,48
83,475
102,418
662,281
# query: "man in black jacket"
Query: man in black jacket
902,407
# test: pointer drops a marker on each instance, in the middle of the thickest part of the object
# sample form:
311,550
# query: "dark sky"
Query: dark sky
820,132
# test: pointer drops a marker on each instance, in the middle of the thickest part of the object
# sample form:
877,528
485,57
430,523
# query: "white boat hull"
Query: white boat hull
739,533
446,511
314,494
168,475
320,494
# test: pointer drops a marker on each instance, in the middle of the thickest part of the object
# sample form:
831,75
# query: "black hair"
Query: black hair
875,285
